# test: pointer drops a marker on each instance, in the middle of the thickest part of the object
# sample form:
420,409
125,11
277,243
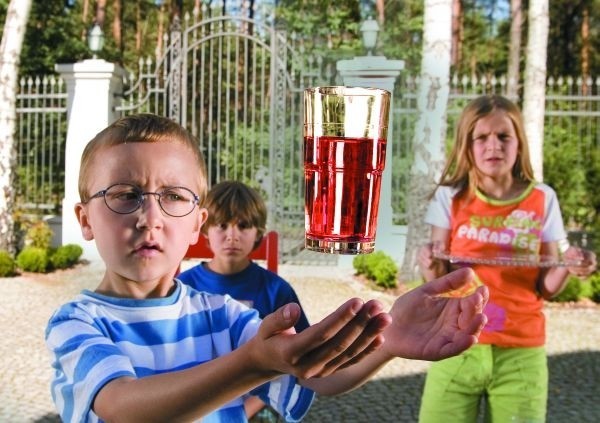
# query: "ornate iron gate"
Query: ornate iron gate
237,85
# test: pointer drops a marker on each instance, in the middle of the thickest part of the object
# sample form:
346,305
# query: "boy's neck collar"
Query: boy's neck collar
226,267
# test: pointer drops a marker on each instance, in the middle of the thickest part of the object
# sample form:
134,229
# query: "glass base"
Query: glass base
339,247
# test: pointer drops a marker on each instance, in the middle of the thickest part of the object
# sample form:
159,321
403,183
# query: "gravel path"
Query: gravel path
393,395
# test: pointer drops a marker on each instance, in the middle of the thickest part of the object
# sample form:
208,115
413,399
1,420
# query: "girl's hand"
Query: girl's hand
430,266
425,256
587,258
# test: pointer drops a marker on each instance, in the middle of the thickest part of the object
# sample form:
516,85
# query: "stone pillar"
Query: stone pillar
92,86
378,72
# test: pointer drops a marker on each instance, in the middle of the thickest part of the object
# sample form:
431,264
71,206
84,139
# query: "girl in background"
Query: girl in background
488,205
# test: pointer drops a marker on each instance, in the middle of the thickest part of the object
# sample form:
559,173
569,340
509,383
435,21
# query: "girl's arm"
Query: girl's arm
552,281
431,267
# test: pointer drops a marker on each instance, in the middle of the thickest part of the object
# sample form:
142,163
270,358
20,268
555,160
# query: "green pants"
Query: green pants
513,380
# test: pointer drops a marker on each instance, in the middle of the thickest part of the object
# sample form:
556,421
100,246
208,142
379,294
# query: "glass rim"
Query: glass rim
340,125
343,90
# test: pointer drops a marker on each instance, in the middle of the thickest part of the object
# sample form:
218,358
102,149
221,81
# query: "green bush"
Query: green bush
360,264
594,282
39,235
378,267
571,292
34,259
65,256
7,264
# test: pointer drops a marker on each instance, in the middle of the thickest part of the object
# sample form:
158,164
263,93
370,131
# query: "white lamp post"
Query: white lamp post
95,40
369,29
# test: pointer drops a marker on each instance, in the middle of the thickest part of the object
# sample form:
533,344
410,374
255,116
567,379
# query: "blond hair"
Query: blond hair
143,127
460,170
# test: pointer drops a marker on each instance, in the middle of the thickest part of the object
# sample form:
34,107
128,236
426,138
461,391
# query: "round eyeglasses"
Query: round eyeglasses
127,198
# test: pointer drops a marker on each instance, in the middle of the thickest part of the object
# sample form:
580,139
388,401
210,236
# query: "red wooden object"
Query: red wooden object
267,250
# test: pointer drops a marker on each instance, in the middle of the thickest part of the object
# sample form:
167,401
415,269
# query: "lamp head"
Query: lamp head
369,29
95,39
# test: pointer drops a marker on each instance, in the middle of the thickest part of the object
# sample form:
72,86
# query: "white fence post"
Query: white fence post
92,87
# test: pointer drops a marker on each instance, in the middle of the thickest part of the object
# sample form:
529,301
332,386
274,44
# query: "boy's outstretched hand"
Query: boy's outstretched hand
426,326
341,339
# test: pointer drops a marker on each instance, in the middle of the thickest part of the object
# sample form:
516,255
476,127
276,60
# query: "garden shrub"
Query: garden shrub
66,256
7,264
571,292
378,267
34,259
360,264
385,273
39,235
594,282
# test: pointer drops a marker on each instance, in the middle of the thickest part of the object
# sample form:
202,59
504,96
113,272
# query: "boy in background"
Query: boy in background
236,224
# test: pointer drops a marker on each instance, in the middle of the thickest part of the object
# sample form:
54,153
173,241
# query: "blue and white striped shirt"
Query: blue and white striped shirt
97,338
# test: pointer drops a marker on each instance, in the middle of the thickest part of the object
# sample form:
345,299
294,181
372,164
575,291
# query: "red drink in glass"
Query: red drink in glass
343,180
345,132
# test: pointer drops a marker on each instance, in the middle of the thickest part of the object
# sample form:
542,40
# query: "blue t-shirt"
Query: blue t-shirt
97,338
255,286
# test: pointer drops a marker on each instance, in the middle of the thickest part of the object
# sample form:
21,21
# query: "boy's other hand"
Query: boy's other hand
341,339
427,326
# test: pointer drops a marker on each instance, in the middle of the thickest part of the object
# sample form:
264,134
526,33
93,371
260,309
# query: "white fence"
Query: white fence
41,133
572,114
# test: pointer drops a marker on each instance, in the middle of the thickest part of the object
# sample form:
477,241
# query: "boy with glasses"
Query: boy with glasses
144,347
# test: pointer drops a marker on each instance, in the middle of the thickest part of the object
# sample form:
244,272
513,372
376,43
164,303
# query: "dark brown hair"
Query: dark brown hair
234,202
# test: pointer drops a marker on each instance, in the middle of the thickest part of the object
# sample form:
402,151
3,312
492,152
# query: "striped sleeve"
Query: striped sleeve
84,360
289,398
95,339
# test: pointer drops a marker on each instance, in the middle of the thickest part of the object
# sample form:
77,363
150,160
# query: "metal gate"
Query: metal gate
236,84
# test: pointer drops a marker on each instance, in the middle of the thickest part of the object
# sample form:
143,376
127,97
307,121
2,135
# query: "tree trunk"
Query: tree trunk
380,7
100,12
534,93
84,18
10,52
138,26
585,48
457,33
514,55
117,28
160,32
430,131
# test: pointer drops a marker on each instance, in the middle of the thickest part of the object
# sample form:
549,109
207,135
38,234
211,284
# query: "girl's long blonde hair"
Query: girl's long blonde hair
460,170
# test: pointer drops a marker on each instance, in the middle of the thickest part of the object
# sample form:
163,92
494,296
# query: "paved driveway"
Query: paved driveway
393,395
